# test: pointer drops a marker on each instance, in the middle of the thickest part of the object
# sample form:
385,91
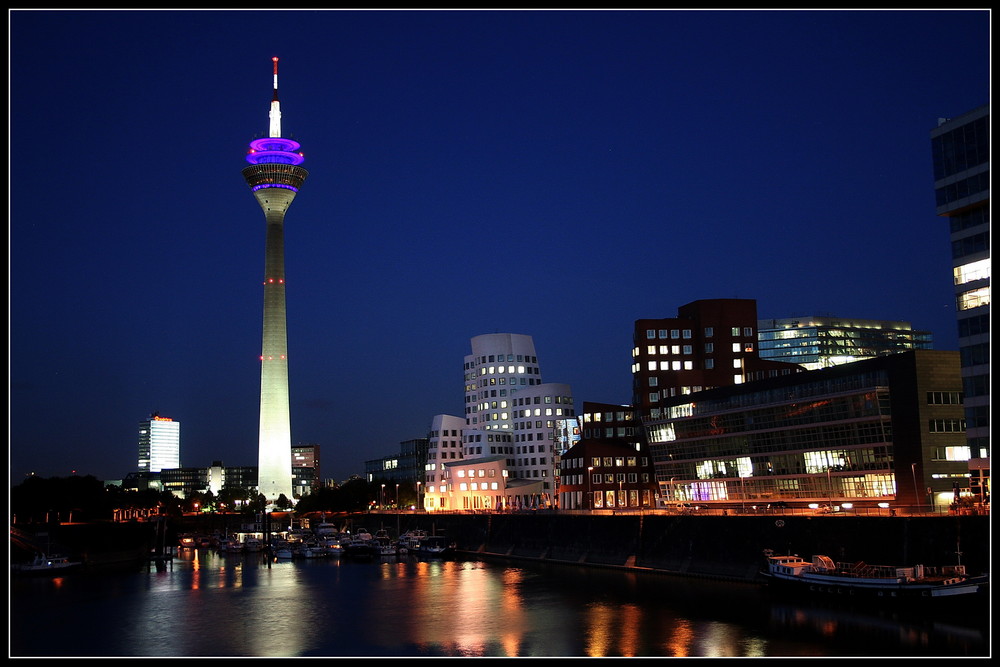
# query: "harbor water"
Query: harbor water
205,604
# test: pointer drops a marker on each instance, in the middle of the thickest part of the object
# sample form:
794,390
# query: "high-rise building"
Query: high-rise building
960,148
274,177
159,443
822,341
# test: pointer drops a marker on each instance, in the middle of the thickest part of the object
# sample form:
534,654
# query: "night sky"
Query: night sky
558,174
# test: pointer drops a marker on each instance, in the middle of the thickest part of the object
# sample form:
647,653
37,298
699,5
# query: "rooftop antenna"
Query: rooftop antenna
275,114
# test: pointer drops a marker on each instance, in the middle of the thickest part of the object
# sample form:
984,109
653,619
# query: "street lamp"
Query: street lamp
419,505
381,498
590,493
397,497
916,489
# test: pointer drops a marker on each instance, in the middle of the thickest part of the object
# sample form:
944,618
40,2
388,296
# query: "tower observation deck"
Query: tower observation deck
274,176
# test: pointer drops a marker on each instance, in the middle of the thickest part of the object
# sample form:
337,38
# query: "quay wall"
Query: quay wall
714,546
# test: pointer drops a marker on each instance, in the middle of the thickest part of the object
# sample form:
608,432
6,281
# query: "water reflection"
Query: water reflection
241,606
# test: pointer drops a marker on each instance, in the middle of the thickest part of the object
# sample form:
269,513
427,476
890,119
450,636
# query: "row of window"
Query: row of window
652,334
944,398
496,358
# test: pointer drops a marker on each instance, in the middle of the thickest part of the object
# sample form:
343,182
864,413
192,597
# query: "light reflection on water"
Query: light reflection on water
235,606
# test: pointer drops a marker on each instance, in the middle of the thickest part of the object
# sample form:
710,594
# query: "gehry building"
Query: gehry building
514,430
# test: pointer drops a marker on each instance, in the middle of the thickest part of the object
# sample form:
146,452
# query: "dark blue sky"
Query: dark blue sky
552,173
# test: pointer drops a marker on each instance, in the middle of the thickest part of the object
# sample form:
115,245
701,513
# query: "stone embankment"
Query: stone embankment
725,547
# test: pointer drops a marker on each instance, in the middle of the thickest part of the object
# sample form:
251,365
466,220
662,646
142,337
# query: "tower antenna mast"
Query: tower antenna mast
275,113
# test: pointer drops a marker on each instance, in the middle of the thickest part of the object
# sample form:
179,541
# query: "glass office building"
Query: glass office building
820,342
960,148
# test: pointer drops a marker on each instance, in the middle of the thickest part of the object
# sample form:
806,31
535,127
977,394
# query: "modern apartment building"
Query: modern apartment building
821,341
886,430
960,148
159,443
711,343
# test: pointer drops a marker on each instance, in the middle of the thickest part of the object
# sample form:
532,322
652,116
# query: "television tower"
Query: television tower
274,177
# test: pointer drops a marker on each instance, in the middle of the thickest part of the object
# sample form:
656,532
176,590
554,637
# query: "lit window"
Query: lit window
650,365
974,298
972,271
736,347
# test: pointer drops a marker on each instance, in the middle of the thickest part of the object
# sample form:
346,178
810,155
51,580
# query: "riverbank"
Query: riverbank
711,546
721,547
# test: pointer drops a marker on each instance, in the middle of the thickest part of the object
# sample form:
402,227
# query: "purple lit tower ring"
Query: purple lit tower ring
274,177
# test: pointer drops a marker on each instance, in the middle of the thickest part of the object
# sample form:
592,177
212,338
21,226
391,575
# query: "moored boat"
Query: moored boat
433,546
822,576
47,564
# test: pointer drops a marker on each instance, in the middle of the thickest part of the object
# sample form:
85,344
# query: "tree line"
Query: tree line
86,499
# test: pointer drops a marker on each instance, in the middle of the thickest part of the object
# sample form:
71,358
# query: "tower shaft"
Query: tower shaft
274,176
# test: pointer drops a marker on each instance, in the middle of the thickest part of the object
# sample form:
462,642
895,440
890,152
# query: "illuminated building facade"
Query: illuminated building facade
610,467
306,474
884,430
159,443
815,342
274,177
711,343
444,445
960,149
511,413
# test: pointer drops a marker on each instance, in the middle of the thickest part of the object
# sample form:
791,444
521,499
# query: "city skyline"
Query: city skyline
557,174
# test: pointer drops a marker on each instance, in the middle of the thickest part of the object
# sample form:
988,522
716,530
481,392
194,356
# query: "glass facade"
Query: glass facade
960,150
833,436
821,342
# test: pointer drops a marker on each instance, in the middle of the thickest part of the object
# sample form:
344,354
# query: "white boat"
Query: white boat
325,529
314,551
284,553
229,546
253,544
47,564
822,576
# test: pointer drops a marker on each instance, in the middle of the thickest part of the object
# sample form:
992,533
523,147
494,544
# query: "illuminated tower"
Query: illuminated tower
274,176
